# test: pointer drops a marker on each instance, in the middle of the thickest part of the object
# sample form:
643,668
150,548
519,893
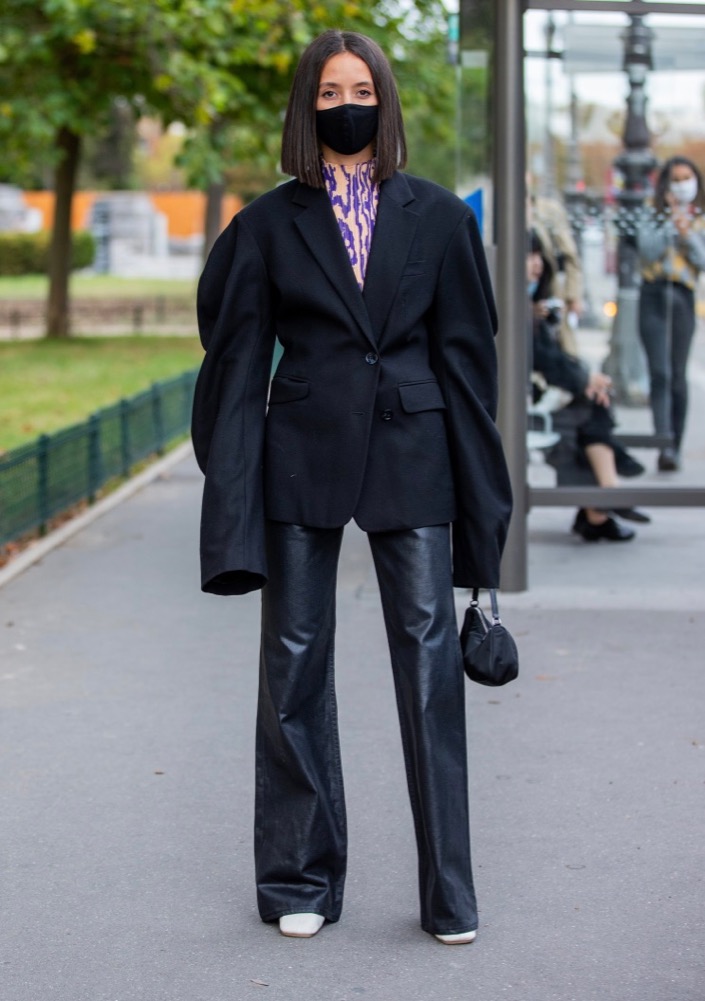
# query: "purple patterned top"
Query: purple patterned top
354,197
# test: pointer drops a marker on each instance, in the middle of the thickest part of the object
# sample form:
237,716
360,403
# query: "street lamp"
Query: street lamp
625,362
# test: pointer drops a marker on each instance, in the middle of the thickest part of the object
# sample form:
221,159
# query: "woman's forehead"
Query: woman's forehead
346,67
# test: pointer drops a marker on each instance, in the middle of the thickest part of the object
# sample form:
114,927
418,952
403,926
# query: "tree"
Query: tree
242,111
427,86
108,155
63,65
222,67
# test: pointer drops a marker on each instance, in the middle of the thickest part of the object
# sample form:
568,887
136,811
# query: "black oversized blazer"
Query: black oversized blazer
382,406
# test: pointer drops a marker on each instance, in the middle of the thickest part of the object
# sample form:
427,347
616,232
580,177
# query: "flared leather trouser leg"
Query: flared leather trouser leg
300,827
300,831
414,574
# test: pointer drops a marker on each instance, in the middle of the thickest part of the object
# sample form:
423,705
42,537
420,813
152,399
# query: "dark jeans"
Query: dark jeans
666,325
300,827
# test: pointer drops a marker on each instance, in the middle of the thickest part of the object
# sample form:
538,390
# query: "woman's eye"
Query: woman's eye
328,93
364,93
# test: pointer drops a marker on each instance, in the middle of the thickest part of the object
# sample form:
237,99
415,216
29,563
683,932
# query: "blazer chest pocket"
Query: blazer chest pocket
286,389
418,396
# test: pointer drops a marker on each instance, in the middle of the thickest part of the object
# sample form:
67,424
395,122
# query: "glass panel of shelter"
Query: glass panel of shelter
610,99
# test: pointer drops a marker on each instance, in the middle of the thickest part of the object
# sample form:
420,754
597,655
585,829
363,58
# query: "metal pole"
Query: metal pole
454,60
548,172
510,227
625,362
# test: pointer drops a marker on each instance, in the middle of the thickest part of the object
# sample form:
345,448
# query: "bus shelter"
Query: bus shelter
581,101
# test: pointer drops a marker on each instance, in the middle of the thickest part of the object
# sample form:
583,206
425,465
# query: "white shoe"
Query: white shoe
301,925
462,938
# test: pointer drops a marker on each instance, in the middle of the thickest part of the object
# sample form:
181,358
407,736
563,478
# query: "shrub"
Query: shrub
83,250
27,253
21,253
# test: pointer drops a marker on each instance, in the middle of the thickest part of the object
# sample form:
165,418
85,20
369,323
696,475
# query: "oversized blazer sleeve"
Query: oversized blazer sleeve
464,326
235,323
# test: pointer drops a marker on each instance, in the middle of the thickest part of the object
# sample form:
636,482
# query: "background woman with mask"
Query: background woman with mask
381,409
671,242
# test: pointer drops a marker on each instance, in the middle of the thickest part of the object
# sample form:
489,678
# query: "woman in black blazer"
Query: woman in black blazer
381,409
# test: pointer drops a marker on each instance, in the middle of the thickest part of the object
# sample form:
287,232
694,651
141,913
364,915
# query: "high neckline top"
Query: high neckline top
354,197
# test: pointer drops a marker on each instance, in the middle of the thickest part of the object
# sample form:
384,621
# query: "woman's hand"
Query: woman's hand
680,216
540,309
599,388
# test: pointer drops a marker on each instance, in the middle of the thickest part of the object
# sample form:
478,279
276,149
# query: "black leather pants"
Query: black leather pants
300,828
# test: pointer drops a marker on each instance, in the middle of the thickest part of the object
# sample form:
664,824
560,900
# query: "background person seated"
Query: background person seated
548,218
587,452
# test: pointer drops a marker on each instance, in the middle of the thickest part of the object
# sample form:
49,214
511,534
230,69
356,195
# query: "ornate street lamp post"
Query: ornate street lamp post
625,362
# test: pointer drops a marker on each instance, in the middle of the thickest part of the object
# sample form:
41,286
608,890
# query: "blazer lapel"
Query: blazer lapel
319,229
395,227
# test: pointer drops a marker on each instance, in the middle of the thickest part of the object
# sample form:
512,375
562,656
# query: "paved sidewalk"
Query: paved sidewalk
127,778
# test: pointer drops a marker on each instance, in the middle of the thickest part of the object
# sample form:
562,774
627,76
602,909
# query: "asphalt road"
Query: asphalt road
126,811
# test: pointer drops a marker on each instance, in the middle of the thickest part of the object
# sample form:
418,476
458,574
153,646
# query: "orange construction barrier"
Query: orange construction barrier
184,210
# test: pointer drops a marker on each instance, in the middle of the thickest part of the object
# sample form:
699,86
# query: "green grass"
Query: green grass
97,286
48,385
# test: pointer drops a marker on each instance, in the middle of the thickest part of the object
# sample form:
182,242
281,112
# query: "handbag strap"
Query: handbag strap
494,603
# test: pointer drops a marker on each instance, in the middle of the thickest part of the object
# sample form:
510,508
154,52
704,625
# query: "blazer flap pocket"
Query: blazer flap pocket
285,388
417,396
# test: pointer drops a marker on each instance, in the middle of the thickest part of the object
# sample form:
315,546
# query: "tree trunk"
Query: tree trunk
69,145
214,213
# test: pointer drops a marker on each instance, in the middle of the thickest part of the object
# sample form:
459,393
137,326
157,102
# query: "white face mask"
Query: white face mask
684,191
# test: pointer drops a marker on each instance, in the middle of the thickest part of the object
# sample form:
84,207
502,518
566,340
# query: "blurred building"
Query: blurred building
147,234
15,215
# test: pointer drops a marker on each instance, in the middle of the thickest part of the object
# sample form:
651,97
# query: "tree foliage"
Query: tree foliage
63,63
235,136
222,67
242,108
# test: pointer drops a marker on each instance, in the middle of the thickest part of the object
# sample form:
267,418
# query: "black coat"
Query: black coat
382,406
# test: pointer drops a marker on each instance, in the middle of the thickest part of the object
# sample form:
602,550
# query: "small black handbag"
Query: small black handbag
490,655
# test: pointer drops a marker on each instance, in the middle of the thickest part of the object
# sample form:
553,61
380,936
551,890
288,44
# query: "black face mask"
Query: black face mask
348,128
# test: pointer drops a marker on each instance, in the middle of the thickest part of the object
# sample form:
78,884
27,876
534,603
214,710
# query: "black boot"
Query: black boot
669,461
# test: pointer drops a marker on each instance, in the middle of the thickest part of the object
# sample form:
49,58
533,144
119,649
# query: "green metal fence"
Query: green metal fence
41,480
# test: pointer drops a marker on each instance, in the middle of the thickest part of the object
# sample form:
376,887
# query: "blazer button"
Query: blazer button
371,358
386,415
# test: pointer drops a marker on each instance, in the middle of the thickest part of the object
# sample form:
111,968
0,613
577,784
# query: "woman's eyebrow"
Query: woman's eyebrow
334,83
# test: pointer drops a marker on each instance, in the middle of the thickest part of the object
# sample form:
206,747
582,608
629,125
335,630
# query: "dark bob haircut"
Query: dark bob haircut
300,145
664,179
